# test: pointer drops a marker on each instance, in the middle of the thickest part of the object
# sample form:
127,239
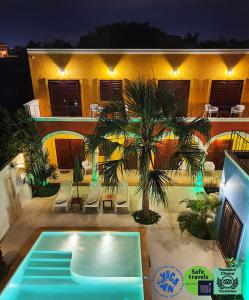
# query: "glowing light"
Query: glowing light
62,72
111,71
230,72
175,72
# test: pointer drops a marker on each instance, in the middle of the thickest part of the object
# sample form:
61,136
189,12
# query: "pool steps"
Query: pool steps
52,265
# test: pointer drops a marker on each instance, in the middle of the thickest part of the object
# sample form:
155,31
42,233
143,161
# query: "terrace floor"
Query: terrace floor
181,179
166,245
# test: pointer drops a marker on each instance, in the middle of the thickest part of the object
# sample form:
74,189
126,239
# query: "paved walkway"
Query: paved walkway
165,243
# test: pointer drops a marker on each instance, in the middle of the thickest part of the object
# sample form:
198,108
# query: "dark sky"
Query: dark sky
22,20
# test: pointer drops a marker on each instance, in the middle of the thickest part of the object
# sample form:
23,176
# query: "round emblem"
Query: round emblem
168,281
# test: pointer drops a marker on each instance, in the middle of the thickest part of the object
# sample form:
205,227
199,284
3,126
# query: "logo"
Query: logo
205,287
168,281
227,281
197,281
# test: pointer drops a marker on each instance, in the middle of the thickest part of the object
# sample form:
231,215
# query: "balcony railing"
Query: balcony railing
239,148
36,110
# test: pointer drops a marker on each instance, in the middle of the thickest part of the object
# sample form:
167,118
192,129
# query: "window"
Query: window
110,89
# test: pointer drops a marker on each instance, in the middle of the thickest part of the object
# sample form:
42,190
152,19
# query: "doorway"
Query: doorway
66,150
230,231
65,98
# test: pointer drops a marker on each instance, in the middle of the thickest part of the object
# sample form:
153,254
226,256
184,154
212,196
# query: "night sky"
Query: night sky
43,20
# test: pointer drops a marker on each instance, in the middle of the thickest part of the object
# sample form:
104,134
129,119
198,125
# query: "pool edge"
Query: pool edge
35,235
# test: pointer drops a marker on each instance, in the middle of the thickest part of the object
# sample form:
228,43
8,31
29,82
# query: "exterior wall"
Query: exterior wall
235,187
12,200
201,69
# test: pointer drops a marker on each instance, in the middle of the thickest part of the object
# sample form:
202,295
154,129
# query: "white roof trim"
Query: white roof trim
138,51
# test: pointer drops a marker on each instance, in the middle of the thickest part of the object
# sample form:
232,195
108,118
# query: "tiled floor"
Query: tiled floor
166,244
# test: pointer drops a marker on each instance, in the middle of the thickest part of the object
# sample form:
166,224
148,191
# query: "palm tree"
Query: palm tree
153,114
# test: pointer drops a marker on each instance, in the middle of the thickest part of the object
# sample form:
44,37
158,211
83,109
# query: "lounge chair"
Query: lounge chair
93,198
122,200
63,197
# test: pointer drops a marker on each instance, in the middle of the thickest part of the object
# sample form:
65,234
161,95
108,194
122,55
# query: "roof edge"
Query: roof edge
138,51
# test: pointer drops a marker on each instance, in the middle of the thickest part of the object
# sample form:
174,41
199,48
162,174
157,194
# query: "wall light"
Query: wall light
175,71
62,72
111,71
230,72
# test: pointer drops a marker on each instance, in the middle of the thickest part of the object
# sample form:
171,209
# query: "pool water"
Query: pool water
80,266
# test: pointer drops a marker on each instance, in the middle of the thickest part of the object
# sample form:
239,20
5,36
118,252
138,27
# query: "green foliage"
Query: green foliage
28,141
7,150
153,113
46,191
152,218
3,266
199,219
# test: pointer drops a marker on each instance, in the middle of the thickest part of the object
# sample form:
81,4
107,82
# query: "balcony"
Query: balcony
48,112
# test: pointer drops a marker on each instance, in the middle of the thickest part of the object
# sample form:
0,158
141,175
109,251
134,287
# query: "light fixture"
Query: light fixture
175,71
62,71
111,71
230,72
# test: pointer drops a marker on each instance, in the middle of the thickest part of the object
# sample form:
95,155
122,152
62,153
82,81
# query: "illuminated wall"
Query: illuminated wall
235,187
201,69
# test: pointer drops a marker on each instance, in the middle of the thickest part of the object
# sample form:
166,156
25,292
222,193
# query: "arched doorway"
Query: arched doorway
63,146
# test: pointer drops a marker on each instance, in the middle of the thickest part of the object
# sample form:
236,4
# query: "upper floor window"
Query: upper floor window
110,89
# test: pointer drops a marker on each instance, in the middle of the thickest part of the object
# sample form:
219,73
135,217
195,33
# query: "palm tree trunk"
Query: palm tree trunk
146,202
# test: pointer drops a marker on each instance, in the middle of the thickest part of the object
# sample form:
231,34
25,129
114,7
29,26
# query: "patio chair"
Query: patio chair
122,200
211,110
93,198
183,167
64,196
87,166
237,110
95,109
209,167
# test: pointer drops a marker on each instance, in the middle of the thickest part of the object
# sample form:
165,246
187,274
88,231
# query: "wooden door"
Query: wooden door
56,98
230,231
65,98
66,150
63,152
225,94
164,157
181,88
216,153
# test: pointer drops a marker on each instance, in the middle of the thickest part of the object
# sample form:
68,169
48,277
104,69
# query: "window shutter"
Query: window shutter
110,89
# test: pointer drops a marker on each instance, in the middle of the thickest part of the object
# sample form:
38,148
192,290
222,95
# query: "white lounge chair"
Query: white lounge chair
93,198
63,197
122,200
237,110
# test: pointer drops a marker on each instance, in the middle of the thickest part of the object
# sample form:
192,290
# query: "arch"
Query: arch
220,135
55,133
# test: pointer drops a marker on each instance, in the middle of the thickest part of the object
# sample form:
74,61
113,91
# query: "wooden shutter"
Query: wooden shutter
164,157
56,97
181,87
226,93
63,152
230,231
66,150
110,89
65,97
131,163
71,94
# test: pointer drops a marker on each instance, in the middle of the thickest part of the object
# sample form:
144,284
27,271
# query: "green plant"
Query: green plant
199,219
77,173
154,113
28,141
3,266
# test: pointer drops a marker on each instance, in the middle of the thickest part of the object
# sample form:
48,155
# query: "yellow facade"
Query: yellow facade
199,68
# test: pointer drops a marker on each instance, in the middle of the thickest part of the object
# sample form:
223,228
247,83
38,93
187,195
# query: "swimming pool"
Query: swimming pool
80,265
